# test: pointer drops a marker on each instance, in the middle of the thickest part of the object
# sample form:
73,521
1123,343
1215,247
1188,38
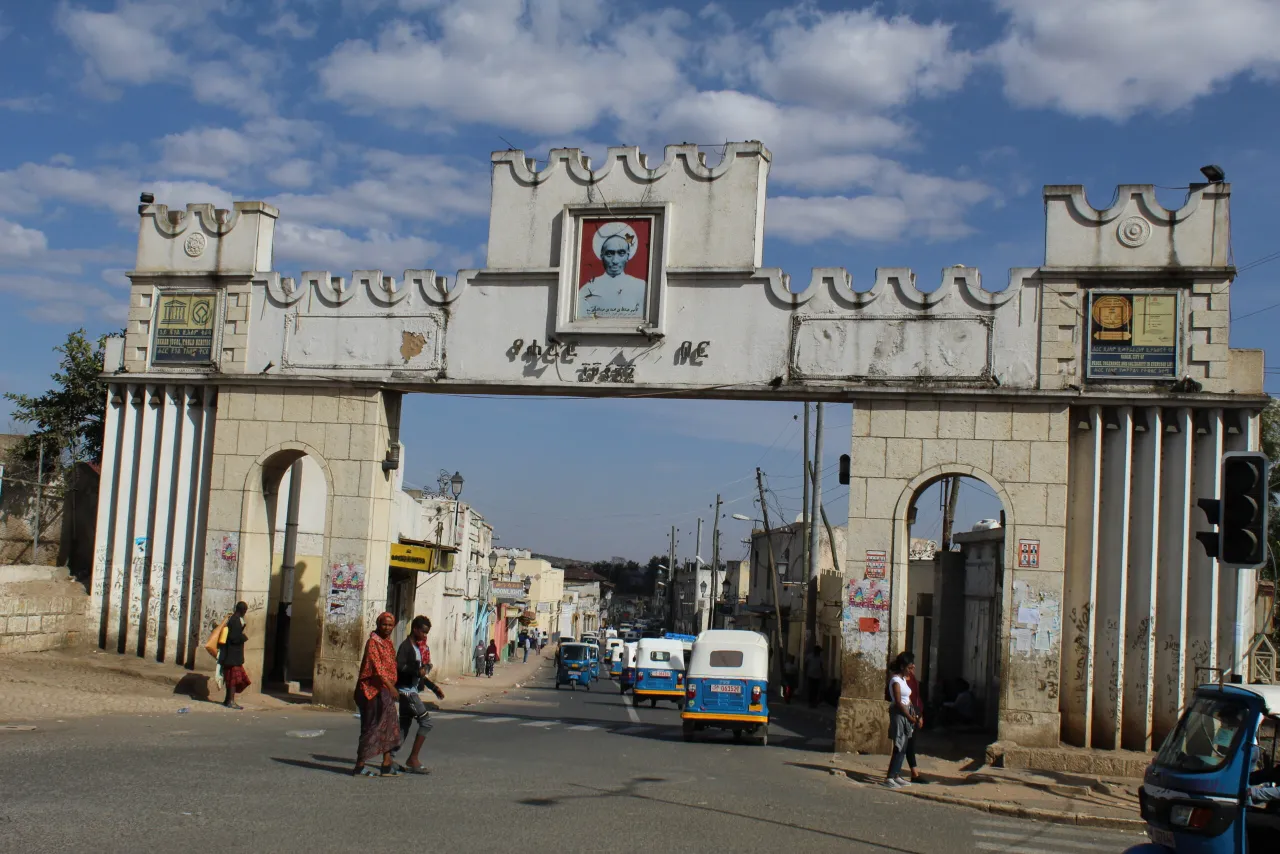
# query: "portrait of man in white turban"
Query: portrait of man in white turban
614,293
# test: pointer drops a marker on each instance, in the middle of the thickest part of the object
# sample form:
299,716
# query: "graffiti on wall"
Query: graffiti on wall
346,591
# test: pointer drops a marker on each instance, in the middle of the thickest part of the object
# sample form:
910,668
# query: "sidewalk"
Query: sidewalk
77,683
1042,796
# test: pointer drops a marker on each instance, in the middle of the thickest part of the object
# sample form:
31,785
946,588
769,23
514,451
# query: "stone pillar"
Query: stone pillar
262,430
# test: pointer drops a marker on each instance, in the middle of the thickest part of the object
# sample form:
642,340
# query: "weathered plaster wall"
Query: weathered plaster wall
261,431
898,448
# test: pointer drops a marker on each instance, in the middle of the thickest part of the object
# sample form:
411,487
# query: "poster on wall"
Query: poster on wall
1132,335
877,562
1028,554
184,329
614,268
346,590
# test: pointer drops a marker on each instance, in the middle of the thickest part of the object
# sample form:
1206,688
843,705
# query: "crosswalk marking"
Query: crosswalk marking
543,724
583,728
1037,837
444,716
494,720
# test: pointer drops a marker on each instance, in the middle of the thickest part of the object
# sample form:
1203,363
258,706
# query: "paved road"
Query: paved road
538,770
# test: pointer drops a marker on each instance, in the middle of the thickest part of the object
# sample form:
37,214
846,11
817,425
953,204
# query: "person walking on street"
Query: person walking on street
479,653
490,658
902,720
524,644
231,656
378,700
917,703
813,674
413,663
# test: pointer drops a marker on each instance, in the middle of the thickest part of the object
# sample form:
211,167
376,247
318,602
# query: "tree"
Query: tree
68,417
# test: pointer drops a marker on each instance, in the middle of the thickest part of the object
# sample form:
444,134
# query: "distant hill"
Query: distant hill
561,561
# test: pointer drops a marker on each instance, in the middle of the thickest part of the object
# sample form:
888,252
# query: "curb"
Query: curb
1014,811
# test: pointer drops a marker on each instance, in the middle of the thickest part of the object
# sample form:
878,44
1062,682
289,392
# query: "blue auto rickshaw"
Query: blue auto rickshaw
727,685
593,656
613,654
1195,796
627,677
573,666
659,671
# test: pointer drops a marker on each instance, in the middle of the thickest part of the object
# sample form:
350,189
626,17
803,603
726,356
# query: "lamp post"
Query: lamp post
493,561
724,598
455,486
703,587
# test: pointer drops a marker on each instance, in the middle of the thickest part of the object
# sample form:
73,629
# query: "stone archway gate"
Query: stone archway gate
1095,392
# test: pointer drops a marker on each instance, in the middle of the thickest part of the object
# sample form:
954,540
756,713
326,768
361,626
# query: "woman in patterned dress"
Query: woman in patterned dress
378,701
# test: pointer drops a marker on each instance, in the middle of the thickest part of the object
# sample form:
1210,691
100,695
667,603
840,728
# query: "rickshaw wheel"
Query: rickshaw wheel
587,685
764,736
737,736
688,730
653,703
557,686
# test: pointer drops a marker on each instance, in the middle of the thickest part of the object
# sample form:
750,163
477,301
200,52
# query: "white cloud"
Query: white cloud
19,242
855,59
220,152
296,174
334,249
290,26
128,45
1114,58
540,67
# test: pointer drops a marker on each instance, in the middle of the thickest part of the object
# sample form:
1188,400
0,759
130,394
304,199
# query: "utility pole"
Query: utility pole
715,563
815,545
949,513
806,506
773,574
35,534
671,583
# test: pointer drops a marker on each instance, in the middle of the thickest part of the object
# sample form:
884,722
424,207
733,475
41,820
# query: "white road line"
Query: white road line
1040,829
444,716
1023,838
633,730
583,728
631,712
1058,847
543,724
494,720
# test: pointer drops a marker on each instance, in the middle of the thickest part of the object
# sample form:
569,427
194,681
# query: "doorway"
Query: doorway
402,584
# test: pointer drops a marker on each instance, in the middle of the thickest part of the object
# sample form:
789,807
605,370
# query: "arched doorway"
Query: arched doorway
296,501
955,589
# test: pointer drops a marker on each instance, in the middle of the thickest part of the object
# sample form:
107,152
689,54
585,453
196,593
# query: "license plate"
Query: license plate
726,689
1162,837
660,674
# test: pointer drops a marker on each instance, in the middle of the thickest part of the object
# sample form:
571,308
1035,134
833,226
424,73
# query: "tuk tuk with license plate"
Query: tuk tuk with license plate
727,686
1196,796
659,671
574,666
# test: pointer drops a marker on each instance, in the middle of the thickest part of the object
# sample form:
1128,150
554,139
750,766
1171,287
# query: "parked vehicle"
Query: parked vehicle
574,666
1195,796
659,671
727,685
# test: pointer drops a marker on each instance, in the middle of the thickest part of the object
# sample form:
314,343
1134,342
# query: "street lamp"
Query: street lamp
742,518
511,566
455,484
493,560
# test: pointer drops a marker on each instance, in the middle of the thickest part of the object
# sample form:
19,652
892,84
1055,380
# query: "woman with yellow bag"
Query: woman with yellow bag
231,656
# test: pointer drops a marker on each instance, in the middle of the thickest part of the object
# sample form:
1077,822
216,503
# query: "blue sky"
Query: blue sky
913,133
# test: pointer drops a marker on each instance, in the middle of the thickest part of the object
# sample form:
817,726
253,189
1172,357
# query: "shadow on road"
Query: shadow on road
344,769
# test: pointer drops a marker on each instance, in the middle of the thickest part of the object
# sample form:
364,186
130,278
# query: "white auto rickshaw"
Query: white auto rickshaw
727,686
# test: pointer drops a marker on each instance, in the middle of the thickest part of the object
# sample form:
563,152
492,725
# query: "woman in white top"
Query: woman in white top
902,718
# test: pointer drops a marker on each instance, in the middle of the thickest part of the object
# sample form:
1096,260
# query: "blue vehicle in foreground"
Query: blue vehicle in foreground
573,666
1195,796
727,685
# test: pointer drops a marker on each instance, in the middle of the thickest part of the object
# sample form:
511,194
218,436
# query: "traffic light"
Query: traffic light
1243,524
1240,515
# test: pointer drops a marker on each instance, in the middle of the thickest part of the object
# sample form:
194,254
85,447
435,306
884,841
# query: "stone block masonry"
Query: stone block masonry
41,608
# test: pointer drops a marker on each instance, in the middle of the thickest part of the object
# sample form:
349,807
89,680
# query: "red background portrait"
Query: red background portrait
589,266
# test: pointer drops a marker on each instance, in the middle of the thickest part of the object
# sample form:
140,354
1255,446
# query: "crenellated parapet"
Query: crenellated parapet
638,274
205,239
1136,231
717,211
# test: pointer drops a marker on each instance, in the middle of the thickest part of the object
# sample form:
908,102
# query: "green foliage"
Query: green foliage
67,419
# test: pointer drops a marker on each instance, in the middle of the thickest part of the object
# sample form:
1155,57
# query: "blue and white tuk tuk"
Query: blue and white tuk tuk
593,654
727,686
1195,796
574,666
613,654
659,671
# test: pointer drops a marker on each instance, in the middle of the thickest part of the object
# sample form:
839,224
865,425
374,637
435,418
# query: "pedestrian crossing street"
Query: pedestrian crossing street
1013,836
775,736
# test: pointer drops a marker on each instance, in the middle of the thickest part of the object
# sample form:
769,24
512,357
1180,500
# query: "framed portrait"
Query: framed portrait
613,270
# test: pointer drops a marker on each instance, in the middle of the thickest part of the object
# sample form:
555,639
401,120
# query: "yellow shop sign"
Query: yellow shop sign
405,556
